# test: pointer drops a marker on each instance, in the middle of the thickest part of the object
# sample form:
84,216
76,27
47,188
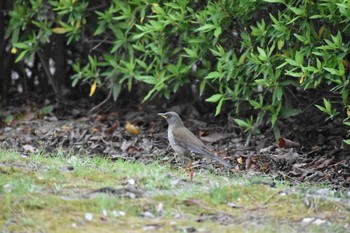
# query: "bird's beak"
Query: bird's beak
162,115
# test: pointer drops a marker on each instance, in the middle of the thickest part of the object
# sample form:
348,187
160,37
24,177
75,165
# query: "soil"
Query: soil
310,149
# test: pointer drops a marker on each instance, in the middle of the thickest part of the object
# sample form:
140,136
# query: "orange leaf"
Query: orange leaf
132,129
93,88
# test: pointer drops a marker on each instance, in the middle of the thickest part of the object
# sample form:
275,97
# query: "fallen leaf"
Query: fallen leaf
66,128
29,148
132,129
125,145
286,143
112,128
240,160
93,88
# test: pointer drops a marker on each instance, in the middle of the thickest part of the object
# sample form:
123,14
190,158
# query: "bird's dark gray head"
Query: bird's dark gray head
172,118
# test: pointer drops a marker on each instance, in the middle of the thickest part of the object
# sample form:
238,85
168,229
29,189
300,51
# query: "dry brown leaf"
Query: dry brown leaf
286,143
240,160
29,115
132,129
112,128
29,148
66,128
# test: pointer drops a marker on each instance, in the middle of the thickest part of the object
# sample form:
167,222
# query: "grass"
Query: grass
55,194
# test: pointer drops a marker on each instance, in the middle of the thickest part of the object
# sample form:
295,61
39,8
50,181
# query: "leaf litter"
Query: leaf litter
142,137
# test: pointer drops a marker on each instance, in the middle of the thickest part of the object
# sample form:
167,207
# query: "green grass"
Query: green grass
52,193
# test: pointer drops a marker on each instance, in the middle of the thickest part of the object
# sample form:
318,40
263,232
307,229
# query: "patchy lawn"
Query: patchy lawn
77,193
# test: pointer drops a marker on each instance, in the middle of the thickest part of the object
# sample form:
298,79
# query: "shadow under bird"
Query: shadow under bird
185,143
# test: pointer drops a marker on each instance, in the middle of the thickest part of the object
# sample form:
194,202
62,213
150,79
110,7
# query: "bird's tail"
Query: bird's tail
217,158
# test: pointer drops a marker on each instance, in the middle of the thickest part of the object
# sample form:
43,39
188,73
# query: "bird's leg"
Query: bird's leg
189,169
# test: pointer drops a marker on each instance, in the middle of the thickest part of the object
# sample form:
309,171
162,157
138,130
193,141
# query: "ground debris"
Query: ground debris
313,153
129,192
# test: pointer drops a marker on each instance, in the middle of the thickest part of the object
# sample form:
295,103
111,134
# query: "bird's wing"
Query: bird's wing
187,140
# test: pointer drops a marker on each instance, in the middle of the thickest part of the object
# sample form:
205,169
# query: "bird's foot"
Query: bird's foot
192,174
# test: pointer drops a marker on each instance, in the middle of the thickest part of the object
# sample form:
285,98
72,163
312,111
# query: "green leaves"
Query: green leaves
254,52
217,98
327,108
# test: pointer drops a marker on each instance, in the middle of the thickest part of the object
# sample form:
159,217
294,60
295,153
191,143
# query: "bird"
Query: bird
185,143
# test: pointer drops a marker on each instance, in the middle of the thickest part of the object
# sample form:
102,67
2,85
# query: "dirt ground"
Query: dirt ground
310,150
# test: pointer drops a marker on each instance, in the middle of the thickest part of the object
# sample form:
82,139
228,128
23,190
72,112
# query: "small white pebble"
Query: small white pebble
149,228
118,213
7,187
314,221
104,212
88,216
131,181
115,214
121,213
319,222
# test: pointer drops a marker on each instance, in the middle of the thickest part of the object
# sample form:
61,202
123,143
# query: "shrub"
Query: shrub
261,53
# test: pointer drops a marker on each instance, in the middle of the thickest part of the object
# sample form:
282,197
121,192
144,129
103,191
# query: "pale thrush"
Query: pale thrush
185,143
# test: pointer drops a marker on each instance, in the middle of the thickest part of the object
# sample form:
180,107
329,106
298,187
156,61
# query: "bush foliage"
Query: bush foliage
268,56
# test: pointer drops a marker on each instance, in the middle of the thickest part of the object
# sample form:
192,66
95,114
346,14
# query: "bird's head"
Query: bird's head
172,118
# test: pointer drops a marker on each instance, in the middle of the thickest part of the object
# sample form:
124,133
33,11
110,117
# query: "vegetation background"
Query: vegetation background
258,61
272,67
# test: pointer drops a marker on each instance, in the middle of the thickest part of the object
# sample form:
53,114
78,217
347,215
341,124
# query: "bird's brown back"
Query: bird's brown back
187,139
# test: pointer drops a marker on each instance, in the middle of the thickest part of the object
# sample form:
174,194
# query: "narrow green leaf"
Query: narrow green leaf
289,112
332,71
206,28
217,32
262,52
214,98
213,75
299,58
219,106
21,55
202,87
117,87
191,53
242,123
292,62
274,1
347,141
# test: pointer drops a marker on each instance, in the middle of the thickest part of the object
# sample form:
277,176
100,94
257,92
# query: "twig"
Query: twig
270,197
103,102
45,65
